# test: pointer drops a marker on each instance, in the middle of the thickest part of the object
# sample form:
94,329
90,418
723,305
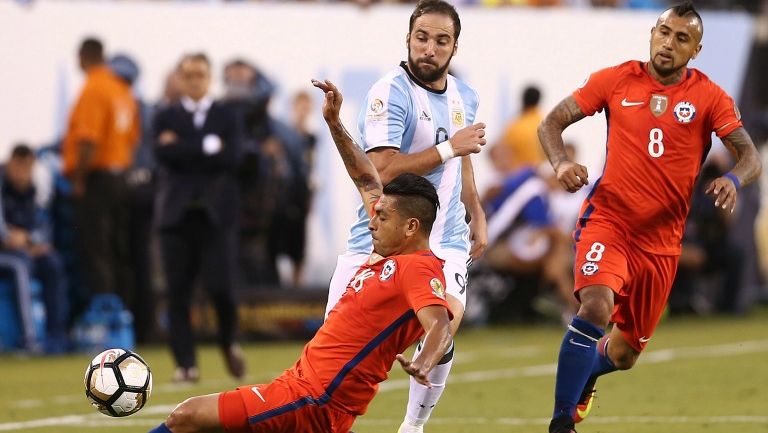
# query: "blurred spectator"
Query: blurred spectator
265,171
565,206
527,254
140,195
606,3
495,3
171,89
302,111
97,150
709,273
526,243
520,136
26,250
288,235
197,149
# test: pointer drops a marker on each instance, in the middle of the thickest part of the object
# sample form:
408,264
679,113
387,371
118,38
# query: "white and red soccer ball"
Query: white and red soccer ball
118,382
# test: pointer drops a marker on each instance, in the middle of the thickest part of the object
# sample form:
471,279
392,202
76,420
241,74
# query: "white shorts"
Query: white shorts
455,270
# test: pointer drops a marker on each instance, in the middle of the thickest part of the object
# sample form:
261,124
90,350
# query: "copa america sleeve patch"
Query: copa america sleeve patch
437,288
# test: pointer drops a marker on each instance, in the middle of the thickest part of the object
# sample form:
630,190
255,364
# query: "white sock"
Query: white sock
422,400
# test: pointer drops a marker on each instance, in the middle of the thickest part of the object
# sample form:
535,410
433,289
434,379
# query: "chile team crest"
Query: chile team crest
684,112
388,270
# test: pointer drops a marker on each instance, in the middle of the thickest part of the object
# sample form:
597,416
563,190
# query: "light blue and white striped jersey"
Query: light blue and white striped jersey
399,112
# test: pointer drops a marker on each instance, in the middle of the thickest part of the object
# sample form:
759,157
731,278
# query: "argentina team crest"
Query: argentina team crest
684,112
458,118
437,288
388,270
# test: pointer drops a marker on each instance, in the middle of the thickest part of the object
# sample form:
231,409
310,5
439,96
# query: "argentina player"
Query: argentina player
419,119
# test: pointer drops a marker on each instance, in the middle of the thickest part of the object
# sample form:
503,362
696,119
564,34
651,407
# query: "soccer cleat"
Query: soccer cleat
407,427
186,375
233,356
561,424
584,406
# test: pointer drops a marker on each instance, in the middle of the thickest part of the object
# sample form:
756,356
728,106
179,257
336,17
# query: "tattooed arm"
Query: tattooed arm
748,165
572,176
359,167
746,170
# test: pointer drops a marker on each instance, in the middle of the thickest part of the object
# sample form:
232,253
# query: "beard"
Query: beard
427,75
665,69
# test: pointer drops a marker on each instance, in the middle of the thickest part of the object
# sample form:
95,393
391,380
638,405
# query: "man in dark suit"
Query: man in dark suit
197,151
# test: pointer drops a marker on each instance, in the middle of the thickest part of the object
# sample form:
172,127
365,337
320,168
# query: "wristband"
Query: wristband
445,149
734,179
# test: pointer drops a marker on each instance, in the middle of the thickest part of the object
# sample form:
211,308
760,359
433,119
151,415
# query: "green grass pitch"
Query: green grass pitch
697,375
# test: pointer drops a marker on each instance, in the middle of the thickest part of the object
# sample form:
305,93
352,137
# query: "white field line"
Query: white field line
653,357
162,388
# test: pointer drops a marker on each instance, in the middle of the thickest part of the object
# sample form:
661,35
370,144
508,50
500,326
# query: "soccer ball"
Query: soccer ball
118,382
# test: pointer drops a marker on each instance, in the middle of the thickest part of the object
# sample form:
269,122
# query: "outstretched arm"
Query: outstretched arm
437,340
746,170
572,176
359,167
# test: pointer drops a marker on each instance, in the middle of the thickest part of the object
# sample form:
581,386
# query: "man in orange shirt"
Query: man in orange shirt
98,147
394,298
661,116
520,141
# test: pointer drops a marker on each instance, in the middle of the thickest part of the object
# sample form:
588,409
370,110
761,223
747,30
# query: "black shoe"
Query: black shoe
233,356
563,424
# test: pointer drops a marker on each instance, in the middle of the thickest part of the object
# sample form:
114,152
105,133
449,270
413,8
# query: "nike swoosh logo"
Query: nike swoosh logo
644,340
577,344
255,389
625,103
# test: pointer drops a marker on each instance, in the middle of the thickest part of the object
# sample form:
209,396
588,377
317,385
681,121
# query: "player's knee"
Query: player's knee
182,419
596,314
596,309
625,361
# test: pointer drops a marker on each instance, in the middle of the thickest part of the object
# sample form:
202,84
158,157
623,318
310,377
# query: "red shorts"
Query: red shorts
284,405
641,280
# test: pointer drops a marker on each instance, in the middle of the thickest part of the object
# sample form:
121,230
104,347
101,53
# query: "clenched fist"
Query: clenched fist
470,139
572,176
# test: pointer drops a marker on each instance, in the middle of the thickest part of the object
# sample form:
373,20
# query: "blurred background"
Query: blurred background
295,201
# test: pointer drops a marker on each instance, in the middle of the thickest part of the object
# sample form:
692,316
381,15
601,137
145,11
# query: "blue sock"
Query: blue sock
574,365
160,429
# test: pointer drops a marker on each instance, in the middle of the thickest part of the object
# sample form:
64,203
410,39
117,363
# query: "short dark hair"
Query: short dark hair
531,97
194,57
416,198
22,150
92,49
686,8
436,7
239,63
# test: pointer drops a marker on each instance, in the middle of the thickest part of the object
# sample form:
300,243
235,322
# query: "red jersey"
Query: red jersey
658,138
373,321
